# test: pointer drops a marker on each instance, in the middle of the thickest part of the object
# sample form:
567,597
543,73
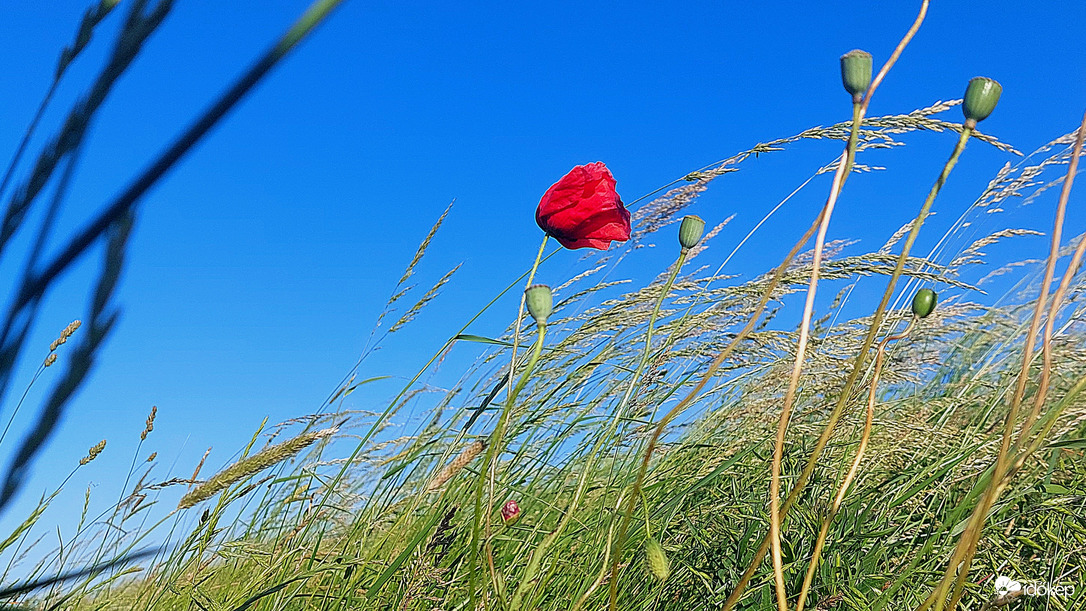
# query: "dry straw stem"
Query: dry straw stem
857,366
801,351
958,567
843,488
1057,299
254,464
859,110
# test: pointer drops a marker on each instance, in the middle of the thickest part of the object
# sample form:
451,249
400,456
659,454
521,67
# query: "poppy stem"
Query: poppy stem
492,447
777,509
541,549
620,541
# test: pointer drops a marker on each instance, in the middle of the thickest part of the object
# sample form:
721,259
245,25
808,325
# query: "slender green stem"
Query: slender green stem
499,430
493,450
620,541
540,550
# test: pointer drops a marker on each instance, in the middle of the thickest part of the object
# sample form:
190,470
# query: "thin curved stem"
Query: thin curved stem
970,537
797,365
843,489
857,366
493,449
541,549
776,514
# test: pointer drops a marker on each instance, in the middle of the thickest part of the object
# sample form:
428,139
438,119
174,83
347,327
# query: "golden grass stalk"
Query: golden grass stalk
958,568
839,178
253,464
843,489
462,460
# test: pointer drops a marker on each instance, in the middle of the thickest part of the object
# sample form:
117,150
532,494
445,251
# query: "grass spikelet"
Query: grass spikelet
65,334
423,246
93,453
254,464
425,299
150,423
462,460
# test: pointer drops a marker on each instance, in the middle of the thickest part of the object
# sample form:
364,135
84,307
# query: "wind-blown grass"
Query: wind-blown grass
353,516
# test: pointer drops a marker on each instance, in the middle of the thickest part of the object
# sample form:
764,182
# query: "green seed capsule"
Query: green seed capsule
690,231
981,97
856,73
656,560
539,300
924,302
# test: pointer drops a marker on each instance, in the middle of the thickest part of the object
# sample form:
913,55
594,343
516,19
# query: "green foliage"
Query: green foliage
389,524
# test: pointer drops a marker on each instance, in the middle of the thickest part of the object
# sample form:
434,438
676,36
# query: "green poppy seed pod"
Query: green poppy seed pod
656,560
981,97
924,302
856,73
539,301
690,231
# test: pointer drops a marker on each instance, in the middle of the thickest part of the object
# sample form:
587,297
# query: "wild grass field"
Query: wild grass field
696,442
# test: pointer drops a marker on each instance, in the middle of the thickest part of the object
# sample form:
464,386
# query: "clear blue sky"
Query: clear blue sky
259,264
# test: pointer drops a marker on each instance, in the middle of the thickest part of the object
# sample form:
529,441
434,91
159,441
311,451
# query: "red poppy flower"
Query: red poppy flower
582,210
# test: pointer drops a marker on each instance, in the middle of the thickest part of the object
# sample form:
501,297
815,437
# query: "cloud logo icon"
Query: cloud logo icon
1006,585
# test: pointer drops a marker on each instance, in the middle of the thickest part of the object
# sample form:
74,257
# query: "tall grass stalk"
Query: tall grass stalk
958,567
840,176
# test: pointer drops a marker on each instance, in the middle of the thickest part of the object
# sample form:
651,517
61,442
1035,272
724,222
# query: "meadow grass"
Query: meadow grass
644,431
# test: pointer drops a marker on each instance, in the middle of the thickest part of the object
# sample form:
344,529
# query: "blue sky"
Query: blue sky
260,263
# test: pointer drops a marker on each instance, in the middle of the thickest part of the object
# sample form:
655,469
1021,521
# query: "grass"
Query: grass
640,434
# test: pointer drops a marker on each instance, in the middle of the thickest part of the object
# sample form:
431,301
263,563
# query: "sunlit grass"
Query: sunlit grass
638,437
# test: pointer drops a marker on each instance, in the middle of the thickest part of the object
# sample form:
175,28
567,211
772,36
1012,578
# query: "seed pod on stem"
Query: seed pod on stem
856,73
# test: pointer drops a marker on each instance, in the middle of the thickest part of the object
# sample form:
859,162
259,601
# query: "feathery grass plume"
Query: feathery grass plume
462,460
425,299
150,423
254,464
93,453
152,457
49,360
